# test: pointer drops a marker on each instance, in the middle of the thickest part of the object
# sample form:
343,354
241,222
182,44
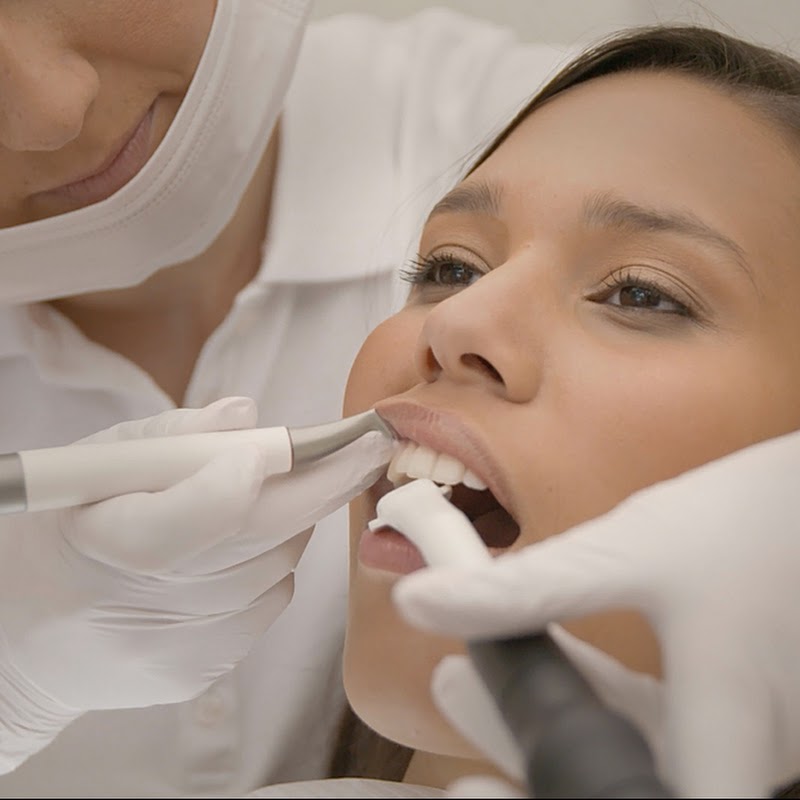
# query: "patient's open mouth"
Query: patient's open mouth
496,526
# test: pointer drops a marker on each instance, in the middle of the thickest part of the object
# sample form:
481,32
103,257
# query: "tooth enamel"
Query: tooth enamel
396,472
403,458
447,470
413,461
472,481
393,474
420,465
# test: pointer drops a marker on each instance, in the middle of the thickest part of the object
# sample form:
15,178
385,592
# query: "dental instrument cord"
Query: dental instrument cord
573,745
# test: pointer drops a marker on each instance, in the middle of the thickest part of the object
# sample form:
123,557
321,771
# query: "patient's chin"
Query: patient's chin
387,675
398,718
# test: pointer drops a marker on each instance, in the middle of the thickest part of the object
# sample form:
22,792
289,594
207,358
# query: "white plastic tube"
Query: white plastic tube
56,477
59,477
442,532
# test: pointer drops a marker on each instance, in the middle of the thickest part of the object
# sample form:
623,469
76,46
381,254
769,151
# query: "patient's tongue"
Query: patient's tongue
497,528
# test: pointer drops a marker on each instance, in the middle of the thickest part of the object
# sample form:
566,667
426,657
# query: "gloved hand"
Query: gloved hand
125,603
711,558
462,698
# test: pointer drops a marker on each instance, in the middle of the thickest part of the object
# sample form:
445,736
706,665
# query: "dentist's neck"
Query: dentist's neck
163,323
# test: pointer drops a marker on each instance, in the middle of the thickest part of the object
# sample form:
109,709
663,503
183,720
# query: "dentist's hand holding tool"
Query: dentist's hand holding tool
711,558
541,721
148,597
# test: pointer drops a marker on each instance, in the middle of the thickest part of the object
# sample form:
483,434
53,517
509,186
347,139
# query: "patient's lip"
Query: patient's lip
389,551
446,432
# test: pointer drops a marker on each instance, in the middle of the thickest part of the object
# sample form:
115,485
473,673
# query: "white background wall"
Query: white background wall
771,22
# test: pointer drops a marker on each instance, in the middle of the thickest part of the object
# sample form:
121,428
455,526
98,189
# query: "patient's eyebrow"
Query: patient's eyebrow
607,211
478,197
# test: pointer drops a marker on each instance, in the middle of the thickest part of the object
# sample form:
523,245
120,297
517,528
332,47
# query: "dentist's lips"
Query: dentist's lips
388,549
114,173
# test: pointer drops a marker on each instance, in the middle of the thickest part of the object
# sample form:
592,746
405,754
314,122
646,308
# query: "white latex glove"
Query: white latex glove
124,603
461,696
711,557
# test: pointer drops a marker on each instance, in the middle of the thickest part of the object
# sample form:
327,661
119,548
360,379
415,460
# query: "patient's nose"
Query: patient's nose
483,335
45,89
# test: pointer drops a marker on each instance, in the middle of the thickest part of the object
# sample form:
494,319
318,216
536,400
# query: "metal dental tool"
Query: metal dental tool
573,745
58,477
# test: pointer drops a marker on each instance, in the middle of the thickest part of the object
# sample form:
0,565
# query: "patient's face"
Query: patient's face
614,300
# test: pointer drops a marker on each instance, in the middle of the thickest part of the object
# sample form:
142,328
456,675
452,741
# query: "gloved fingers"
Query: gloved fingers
153,532
252,542
463,699
288,505
268,606
228,638
482,786
587,569
722,732
236,587
193,650
231,560
298,500
228,413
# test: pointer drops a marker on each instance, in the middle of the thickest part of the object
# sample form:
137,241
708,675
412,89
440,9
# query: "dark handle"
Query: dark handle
573,745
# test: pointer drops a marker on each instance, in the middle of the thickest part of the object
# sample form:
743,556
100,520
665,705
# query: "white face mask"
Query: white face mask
189,189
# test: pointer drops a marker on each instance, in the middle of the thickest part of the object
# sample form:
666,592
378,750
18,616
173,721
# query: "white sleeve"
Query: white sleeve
463,80
387,114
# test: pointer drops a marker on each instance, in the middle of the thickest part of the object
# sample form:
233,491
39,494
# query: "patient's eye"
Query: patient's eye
638,296
443,270
630,290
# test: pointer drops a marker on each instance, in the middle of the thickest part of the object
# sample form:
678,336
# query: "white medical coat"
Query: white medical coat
377,123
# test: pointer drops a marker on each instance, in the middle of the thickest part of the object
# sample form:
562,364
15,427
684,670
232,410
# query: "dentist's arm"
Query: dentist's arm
147,598
711,557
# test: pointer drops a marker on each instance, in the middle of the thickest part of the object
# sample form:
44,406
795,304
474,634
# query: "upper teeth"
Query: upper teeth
413,460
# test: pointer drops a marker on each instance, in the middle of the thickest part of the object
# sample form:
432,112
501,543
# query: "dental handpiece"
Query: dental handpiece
59,477
573,745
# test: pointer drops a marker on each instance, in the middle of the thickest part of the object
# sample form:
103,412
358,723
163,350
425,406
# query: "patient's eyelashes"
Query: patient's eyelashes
631,290
443,270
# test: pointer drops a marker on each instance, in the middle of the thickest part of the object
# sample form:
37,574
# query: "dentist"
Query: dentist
203,208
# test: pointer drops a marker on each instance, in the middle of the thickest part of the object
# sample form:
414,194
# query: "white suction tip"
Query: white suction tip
443,534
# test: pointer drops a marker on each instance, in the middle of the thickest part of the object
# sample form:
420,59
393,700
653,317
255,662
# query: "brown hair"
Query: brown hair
360,752
764,80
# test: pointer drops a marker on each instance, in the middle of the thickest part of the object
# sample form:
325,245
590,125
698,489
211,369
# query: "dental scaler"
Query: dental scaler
572,744
58,477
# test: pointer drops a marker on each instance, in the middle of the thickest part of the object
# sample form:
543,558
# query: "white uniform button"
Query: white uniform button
209,708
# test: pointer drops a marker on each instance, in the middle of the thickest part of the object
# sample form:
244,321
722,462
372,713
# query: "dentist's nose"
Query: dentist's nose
480,336
45,89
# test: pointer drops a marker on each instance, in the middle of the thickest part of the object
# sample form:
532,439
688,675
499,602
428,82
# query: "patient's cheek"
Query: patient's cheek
625,635
385,364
